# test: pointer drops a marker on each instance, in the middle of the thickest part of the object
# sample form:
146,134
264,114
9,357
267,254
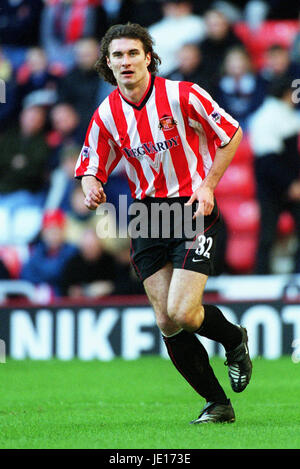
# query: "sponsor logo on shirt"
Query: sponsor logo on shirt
85,153
151,148
146,149
216,117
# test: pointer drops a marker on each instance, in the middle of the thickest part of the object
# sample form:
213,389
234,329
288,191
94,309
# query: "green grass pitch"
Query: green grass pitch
142,404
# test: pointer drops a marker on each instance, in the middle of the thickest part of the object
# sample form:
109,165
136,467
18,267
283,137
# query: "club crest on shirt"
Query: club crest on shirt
167,123
85,153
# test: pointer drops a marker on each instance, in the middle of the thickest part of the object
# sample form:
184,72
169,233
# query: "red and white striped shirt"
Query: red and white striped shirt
167,141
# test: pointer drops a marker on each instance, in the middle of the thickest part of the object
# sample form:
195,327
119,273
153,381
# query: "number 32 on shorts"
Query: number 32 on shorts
204,247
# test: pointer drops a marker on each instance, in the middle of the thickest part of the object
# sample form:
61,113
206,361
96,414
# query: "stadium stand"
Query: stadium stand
269,33
37,65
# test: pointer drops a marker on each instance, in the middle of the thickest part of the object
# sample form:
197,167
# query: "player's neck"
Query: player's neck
136,92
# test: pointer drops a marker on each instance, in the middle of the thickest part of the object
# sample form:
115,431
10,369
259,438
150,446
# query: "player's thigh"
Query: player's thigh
185,293
157,288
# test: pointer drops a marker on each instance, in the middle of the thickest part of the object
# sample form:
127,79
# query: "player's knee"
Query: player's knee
189,318
186,320
162,321
165,324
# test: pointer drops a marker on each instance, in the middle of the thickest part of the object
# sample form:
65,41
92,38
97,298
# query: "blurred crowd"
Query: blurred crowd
246,54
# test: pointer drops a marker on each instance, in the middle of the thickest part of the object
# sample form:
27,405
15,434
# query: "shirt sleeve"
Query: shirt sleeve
99,154
206,115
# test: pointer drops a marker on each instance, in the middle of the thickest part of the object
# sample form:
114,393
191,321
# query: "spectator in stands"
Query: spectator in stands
6,68
112,10
79,219
177,27
278,64
255,13
62,181
281,9
191,67
295,49
64,22
295,52
125,282
35,75
117,187
272,9
91,272
51,254
24,155
23,175
65,130
81,87
200,8
9,108
4,273
143,12
240,90
220,37
65,122
65,193
274,131
19,25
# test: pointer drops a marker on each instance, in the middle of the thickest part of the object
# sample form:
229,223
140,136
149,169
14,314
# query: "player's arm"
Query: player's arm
204,194
93,191
92,165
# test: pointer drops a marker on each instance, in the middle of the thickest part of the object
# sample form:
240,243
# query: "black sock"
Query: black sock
216,327
191,360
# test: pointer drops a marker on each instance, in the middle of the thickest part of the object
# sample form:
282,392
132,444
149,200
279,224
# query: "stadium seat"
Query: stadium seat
11,259
241,253
241,216
238,180
5,232
244,153
22,74
286,224
269,33
26,224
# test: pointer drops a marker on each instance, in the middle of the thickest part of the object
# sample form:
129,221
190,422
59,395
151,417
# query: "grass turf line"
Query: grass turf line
142,404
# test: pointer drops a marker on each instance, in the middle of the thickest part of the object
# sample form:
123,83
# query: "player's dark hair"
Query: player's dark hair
118,31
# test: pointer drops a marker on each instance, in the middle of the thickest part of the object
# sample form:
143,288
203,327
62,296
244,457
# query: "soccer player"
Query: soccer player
176,143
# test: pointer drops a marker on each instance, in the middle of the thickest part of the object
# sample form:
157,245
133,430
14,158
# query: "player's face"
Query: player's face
128,62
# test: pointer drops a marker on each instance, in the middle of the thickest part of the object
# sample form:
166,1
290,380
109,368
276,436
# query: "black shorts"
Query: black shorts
161,234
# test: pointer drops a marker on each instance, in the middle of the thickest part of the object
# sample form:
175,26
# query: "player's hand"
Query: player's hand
94,197
205,197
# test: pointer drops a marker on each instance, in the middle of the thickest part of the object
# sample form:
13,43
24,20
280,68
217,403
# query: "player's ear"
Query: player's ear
108,62
148,58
